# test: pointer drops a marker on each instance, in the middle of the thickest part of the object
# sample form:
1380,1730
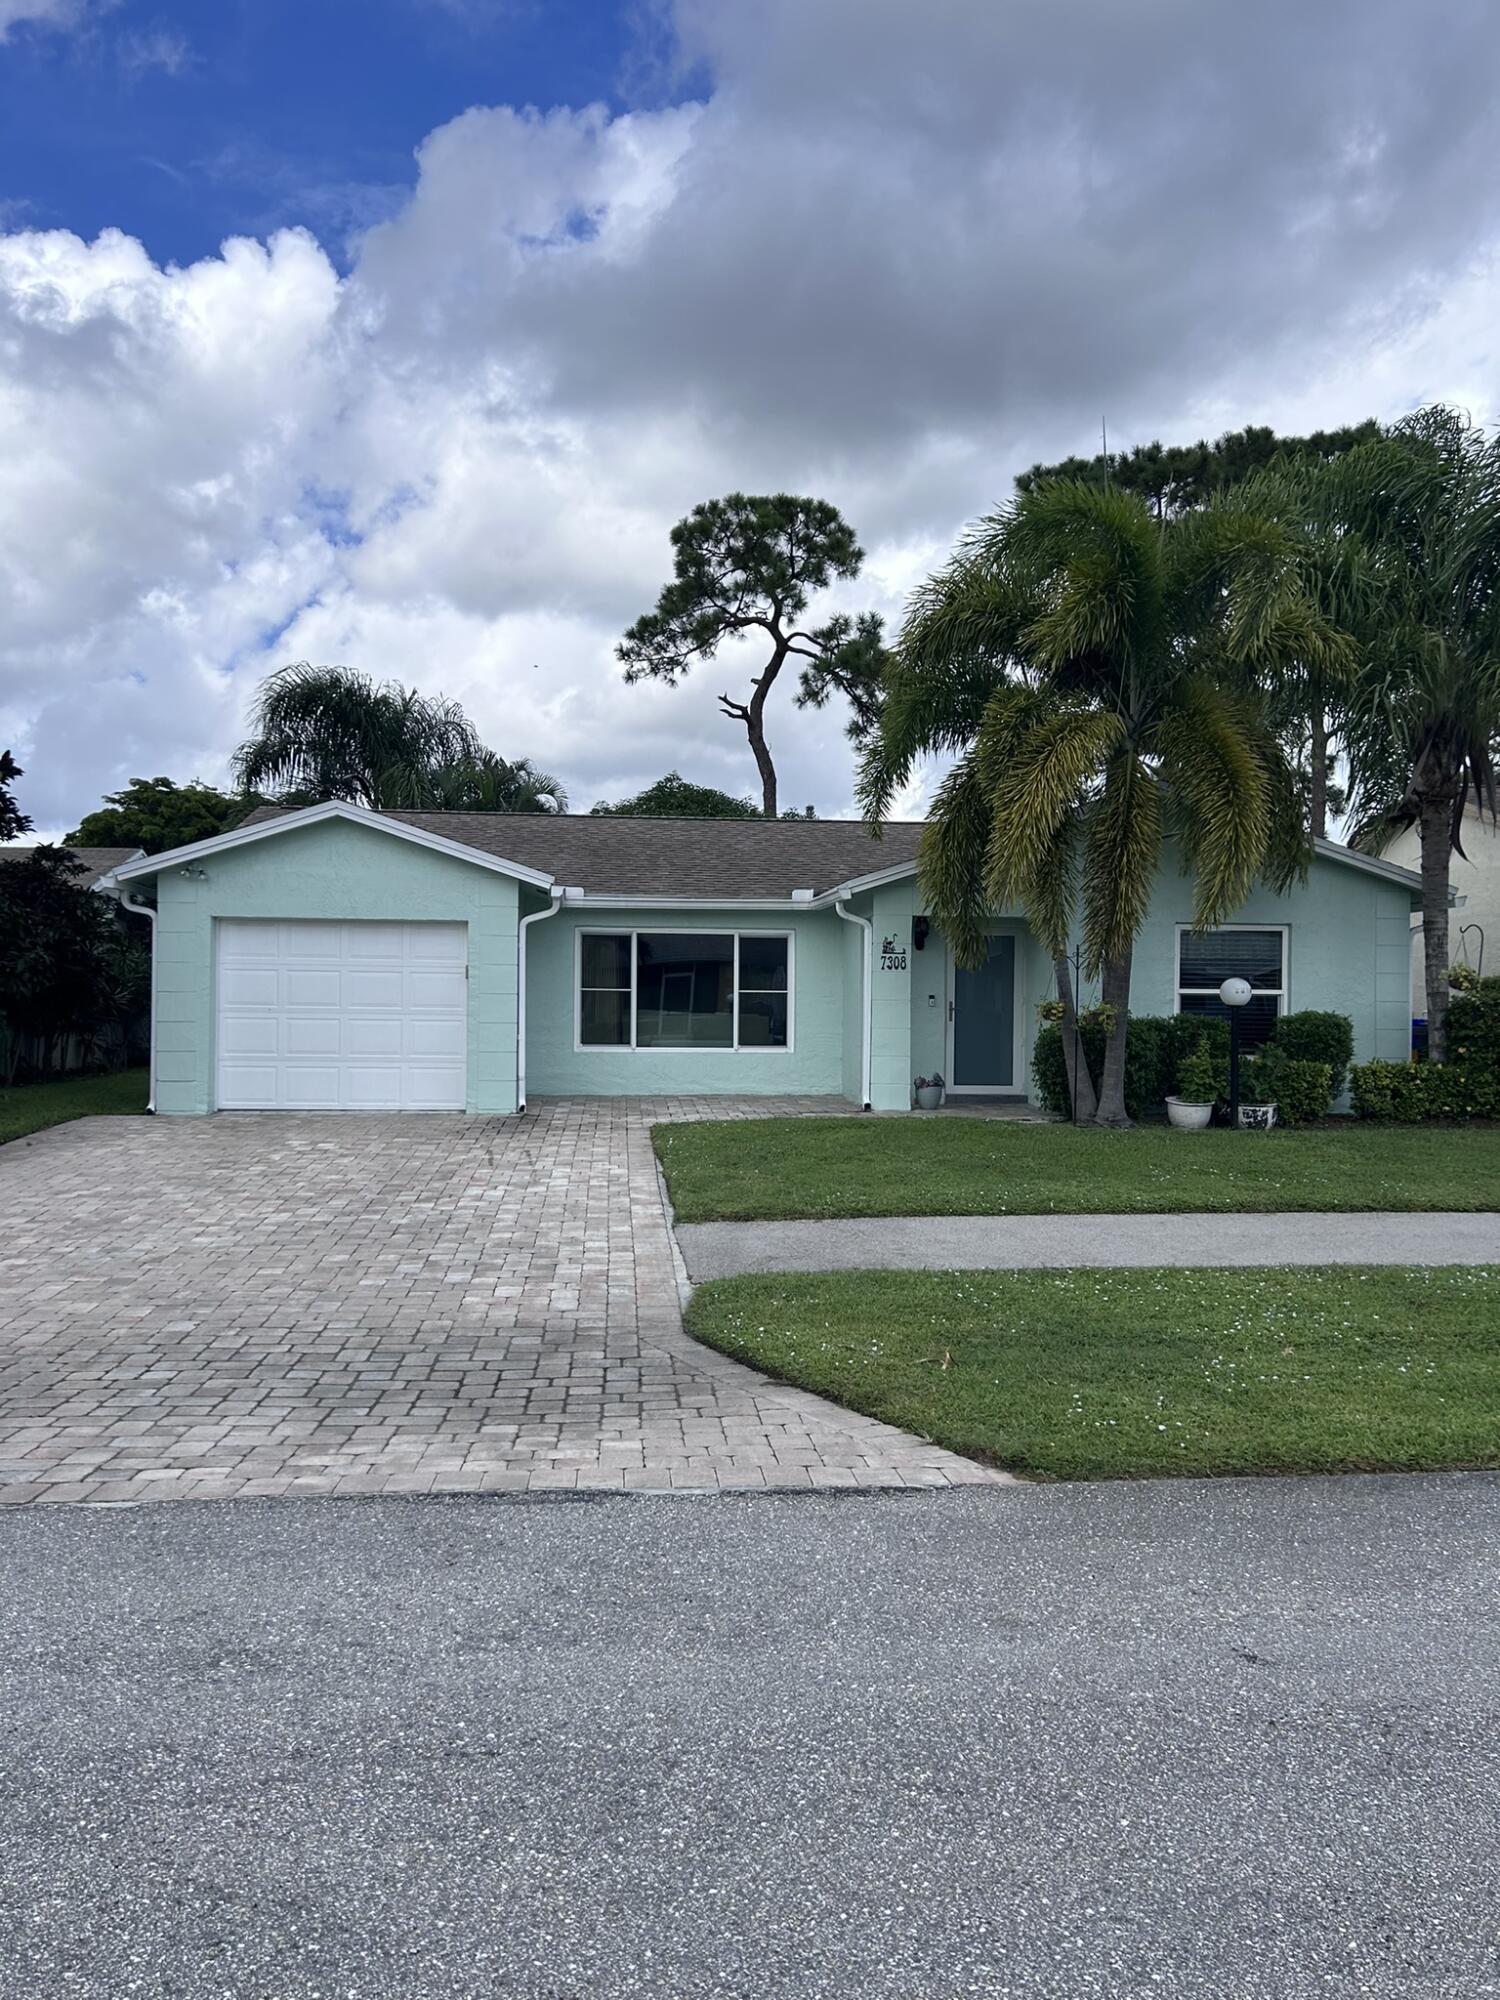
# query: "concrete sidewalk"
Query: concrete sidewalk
1021,1242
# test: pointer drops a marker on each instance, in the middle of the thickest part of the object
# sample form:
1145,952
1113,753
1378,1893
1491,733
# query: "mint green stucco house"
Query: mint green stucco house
335,959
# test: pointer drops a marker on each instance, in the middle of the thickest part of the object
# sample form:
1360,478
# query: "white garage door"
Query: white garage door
341,1017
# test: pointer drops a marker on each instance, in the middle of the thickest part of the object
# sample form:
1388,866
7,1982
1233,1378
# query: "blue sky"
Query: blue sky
184,124
415,325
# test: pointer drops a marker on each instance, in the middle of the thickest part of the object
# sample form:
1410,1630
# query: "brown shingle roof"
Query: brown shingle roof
95,861
610,855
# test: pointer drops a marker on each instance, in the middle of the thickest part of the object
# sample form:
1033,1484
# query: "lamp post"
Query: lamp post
1234,993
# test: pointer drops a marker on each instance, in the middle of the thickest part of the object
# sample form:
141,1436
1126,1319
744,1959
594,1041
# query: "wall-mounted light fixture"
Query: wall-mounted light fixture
192,873
920,926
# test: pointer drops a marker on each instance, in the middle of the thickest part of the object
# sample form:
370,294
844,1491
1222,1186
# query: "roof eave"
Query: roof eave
271,829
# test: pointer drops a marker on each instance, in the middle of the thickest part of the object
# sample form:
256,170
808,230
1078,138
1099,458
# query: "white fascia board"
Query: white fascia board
267,829
1371,864
860,883
779,903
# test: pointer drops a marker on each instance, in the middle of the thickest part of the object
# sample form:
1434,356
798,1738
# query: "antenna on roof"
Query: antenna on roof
1104,446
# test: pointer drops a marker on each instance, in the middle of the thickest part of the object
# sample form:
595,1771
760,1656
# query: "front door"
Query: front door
982,1022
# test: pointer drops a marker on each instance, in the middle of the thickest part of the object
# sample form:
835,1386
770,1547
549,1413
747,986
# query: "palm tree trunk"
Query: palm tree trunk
1080,1084
1317,782
1436,826
1115,994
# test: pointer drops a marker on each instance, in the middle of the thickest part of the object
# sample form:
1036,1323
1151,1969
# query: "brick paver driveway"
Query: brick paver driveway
267,1303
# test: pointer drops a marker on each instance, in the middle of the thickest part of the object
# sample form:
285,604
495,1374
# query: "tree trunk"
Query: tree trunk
1436,825
755,730
1317,786
1080,1083
1116,994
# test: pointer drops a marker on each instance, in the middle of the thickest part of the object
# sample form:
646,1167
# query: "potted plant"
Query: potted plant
1198,1090
1257,1095
929,1091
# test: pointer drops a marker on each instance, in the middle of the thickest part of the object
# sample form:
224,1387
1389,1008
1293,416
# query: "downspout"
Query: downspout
536,917
867,956
146,910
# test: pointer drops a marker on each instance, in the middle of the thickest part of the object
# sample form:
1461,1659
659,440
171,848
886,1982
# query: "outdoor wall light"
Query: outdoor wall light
193,874
1235,993
920,926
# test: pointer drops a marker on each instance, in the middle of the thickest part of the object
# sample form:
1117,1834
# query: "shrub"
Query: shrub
1474,1025
1313,1037
1200,1079
1155,1049
1410,1092
1301,1091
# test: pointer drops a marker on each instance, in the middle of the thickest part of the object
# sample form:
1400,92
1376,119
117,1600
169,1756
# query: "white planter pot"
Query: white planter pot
1257,1117
929,1100
1188,1117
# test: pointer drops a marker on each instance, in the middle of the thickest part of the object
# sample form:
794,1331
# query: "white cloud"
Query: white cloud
893,256
39,13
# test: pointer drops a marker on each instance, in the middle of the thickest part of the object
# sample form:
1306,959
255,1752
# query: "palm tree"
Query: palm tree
332,733
1094,672
1422,720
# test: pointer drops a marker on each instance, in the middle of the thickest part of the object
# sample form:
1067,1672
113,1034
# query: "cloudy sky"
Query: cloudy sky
399,335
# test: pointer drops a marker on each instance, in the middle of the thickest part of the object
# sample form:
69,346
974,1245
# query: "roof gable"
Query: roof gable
269,825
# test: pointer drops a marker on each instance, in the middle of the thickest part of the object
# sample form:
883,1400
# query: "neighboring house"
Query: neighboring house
339,959
95,862
1474,922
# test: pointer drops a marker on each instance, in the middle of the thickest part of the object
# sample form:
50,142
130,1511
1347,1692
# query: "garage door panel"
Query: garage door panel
431,1035
438,991
373,1035
341,1016
372,989
310,940
249,1034
248,986
311,1035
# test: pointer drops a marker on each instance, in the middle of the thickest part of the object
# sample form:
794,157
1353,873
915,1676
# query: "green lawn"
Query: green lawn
1127,1374
32,1106
777,1168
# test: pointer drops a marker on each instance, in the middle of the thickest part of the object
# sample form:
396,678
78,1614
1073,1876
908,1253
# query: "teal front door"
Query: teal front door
982,1022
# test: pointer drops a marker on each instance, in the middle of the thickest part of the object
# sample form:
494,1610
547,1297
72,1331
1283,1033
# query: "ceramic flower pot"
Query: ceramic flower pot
930,1097
1257,1117
1188,1117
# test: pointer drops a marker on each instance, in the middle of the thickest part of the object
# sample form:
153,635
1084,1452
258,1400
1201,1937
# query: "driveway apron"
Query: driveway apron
278,1303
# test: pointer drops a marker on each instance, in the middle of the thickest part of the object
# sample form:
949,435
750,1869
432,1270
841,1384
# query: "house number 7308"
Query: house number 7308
892,955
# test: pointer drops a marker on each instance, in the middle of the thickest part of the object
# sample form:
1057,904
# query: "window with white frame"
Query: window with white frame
1205,959
680,989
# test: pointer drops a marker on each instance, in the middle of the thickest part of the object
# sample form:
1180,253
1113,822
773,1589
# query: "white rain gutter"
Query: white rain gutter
537,917
868,928
127,902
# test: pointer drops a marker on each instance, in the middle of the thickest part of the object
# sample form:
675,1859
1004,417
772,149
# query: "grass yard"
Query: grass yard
777,1169
1129,1374
31,1107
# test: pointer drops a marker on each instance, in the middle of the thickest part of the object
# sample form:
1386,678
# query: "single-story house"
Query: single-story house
92,865
336,959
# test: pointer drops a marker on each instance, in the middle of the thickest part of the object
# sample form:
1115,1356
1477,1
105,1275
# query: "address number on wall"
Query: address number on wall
892,955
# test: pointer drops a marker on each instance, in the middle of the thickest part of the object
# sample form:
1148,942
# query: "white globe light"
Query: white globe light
1235,992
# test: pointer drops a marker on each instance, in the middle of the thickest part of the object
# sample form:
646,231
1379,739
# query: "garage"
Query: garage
347,1016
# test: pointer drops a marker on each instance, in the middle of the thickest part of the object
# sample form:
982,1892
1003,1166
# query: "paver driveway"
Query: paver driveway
255,1304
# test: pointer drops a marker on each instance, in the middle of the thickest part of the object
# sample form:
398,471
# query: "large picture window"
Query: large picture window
684,990
1205,959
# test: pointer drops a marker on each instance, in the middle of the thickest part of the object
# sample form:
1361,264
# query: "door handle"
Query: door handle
950,1010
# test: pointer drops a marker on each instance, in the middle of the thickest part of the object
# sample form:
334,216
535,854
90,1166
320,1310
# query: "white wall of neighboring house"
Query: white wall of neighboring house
1477,880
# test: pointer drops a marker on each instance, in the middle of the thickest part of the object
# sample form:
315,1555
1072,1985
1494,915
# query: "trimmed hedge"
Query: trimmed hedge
1304,1066
1466,1086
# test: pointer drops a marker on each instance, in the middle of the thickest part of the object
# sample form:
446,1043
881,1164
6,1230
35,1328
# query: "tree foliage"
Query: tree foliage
331,733
674,797
12,819
1174,478
69,962
750,564
155,814
1097,674
1416,514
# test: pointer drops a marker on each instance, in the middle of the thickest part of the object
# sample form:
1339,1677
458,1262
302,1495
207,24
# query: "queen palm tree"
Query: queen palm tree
1094,671
1422,719
332,733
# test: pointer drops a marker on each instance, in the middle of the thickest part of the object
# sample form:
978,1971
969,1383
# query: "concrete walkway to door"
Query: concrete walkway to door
268,1303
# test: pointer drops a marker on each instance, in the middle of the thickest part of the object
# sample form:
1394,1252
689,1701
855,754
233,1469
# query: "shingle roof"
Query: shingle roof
611,855
96,861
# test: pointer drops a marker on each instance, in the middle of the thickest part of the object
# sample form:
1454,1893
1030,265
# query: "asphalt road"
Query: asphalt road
1023,1242
1231,1740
